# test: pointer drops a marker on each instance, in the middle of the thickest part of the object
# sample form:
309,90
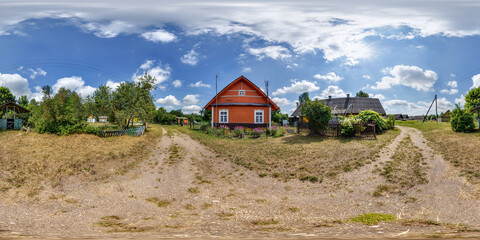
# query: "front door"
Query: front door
10,124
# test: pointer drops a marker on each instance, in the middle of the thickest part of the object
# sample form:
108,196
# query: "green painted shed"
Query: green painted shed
11,116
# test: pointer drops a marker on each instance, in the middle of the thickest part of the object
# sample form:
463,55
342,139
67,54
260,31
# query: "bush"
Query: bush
274,130
318,114
238,131
257,132
462,120
368,116
391,121
351,126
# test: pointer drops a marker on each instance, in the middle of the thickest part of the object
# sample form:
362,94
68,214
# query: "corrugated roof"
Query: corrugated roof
357,104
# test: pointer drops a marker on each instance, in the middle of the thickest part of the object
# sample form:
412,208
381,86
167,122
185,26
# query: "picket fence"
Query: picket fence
138,131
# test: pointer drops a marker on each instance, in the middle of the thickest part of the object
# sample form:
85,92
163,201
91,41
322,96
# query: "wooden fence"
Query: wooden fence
138,131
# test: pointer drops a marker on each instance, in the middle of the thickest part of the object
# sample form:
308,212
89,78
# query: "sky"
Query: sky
401,52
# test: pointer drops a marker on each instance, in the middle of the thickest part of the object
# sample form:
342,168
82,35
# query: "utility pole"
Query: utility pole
436,109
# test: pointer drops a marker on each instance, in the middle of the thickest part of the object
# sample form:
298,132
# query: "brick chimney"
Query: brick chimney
329,97
348,95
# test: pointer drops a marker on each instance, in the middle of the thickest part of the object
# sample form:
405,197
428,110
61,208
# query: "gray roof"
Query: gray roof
340,105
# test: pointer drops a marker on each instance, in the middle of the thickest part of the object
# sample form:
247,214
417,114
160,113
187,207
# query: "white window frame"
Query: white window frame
241,92
220,115
255,116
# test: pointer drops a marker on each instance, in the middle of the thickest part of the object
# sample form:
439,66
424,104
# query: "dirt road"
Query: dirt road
185,190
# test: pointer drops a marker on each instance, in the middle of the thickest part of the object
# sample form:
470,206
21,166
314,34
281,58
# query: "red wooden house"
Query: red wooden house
241,103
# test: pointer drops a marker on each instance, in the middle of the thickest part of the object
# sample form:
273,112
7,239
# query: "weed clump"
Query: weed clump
372,218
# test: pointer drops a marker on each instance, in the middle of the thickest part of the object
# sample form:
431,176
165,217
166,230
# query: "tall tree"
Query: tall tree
23,101
303,98
472,99
6,95
362,94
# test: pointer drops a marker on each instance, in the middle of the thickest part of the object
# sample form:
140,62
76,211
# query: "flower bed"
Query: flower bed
242,132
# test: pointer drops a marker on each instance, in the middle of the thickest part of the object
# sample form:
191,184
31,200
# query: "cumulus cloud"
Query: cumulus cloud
169,100
366,76
449,91
159,36
74,83
109,30
17,84
191,109
246,69
191,58
452,84
273,52
331,77
159,72
410,76
200,84
113,85
190,99
297,87
420,108
281,101
177,83
37,72
333,91
461,100
476,81
379,96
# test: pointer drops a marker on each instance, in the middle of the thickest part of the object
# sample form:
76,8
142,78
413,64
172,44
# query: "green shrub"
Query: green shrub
462,120
318,114
372,116
351,126
391,121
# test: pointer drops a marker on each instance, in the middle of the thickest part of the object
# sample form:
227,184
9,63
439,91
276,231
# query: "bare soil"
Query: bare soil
185,190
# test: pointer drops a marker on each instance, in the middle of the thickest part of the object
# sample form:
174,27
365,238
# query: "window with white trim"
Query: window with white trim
241,92
258,116
223,116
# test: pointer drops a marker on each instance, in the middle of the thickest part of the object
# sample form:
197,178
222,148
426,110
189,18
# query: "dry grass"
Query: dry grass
295,156
460,149
406,169
31,161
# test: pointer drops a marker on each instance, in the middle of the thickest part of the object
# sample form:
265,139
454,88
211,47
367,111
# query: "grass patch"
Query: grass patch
406,169
30,160
115,224
160,203
460,149
194,190
295,156
265,222
372,218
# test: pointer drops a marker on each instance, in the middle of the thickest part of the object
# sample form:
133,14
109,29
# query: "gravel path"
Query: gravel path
185,190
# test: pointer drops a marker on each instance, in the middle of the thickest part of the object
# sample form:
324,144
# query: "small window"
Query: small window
241,92
258,116
223,116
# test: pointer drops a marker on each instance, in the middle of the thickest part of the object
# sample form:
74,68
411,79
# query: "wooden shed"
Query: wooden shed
12,121
241,103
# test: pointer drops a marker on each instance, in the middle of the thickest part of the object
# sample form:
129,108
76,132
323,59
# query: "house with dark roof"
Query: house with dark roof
13,116
344,106
241,103
401,117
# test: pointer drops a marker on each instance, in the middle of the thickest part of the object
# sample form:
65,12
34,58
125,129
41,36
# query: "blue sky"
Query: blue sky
402,52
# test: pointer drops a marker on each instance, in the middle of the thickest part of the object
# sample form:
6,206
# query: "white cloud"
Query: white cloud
403,106
37,72
200,84
461,100
112,85
147,64
452,75
191,99
476,81
331,77
169,107
159,36
452,84
109,30
191,109
159,72
168,100
333,91
177,83
281,101
366,76
246,69
410,76
297,87
74,83
379,96
449,91
273,52
191,58
17,84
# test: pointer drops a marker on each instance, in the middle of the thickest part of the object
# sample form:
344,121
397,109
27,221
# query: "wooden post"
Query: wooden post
213,114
